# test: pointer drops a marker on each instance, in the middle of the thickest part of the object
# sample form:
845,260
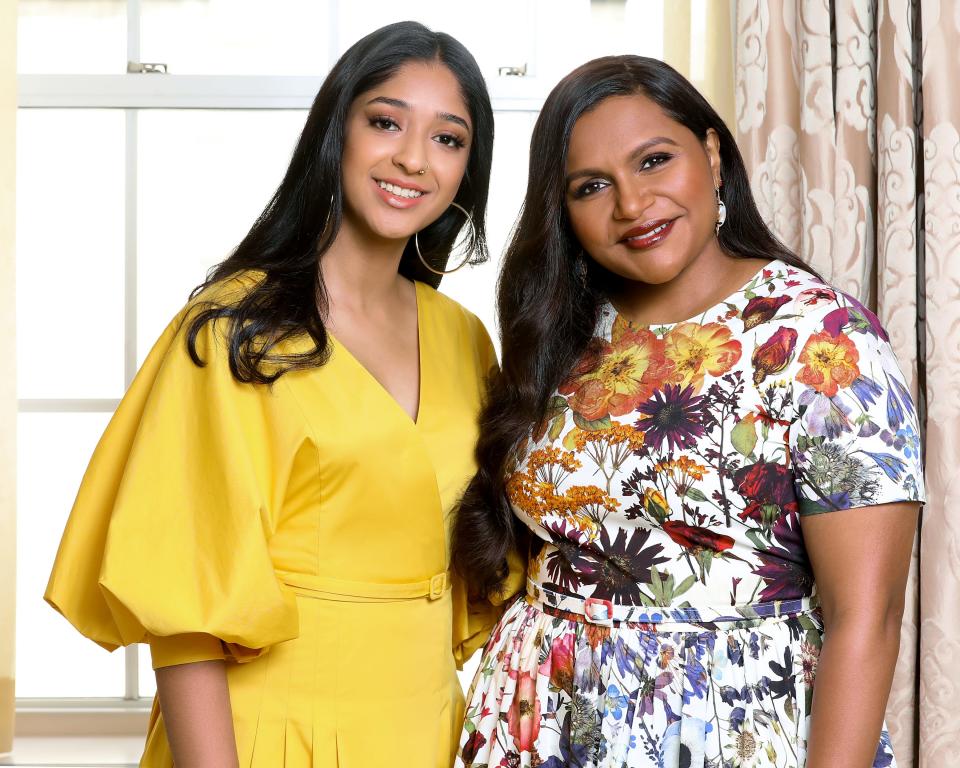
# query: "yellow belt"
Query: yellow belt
433,588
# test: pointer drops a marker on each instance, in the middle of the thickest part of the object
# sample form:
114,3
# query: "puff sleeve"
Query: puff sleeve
167,541
855,439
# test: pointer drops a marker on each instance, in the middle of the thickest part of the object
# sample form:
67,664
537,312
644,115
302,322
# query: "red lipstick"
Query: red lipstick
647,235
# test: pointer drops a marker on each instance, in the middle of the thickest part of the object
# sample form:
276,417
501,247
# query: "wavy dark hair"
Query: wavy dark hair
548,313
303,217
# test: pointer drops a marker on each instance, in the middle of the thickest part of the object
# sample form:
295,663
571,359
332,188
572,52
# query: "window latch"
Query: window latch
145,68
520,71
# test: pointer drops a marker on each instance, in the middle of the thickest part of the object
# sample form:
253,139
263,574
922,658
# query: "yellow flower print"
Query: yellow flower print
697,350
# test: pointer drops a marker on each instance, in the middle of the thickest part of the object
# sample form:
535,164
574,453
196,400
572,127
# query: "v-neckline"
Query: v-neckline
414,420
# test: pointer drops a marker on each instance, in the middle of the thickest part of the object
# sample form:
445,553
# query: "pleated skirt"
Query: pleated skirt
555,691
367,684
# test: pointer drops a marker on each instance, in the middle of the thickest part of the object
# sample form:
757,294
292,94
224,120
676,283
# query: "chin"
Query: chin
648,268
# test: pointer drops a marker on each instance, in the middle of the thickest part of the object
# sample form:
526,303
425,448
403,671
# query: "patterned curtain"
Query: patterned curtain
848,114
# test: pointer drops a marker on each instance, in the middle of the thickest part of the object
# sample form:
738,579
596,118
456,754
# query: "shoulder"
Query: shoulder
462,331
197,333
451,312
226,292
788,296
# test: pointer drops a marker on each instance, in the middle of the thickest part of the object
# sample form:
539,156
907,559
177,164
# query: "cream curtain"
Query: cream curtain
8,404
848,112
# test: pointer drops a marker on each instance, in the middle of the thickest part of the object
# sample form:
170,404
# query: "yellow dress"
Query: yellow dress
300,532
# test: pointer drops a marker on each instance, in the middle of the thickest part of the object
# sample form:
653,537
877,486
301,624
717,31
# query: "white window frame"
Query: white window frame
132,92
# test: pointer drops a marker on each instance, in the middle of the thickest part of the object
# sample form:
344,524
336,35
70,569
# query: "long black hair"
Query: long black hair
548,312
303,218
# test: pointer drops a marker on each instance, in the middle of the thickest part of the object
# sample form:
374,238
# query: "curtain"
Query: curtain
847,112
8,403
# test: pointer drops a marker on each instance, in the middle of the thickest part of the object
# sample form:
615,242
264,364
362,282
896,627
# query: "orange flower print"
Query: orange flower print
697,350
523,719
829,363
613,379
536,492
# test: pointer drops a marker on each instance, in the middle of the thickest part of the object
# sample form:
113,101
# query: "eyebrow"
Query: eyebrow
634,155
401,104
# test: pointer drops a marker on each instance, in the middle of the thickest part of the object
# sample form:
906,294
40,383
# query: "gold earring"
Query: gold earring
721,211
473,236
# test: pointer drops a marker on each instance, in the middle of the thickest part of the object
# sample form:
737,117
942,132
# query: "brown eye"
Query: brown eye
654,161
450,140
384,123
590,188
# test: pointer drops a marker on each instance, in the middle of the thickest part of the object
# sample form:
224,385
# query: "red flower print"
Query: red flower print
761,309
561,662
810,297
472,747
829,363
765,483
696,538
523,719
774,355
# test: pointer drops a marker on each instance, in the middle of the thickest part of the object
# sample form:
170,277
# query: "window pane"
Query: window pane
148,681
72,36
204,178
236,37
497,32
53,659
70,187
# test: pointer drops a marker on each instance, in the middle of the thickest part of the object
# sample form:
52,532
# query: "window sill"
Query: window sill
75,752
56,718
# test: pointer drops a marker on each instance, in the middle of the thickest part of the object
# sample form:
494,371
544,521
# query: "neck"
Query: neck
705,281
361,270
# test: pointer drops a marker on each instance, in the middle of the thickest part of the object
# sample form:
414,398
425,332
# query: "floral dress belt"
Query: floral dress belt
606,613
325,588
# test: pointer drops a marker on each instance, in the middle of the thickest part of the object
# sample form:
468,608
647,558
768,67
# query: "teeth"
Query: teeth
651,232
393,189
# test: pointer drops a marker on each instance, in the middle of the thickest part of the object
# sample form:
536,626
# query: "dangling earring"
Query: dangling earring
721,210
473,237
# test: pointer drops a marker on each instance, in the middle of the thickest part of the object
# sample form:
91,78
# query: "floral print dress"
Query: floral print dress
665,488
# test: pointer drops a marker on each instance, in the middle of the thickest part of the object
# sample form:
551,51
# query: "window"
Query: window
131,185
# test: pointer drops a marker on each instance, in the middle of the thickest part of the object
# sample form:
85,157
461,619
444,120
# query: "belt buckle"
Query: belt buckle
599,612
438,585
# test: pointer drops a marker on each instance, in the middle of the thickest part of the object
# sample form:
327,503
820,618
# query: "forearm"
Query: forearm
195,703
853,681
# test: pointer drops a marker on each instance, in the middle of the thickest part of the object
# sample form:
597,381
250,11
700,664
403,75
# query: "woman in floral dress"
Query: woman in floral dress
710,454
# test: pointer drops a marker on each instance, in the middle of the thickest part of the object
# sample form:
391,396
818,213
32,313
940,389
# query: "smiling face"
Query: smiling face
640,190
406,150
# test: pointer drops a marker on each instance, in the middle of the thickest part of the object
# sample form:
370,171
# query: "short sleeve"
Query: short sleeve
854,440
167,541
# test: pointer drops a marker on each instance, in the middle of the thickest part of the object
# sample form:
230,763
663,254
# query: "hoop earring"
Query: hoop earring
473,236
721,210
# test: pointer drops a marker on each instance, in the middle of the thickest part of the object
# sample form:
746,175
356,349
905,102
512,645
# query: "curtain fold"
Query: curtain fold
847,113
8,403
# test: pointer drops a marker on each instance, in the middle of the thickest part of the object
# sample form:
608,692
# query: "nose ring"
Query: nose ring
422,171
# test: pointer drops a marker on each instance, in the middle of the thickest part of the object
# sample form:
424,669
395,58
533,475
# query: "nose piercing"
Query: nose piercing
422,171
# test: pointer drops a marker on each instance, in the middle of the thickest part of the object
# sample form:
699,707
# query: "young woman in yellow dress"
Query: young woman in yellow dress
269,507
